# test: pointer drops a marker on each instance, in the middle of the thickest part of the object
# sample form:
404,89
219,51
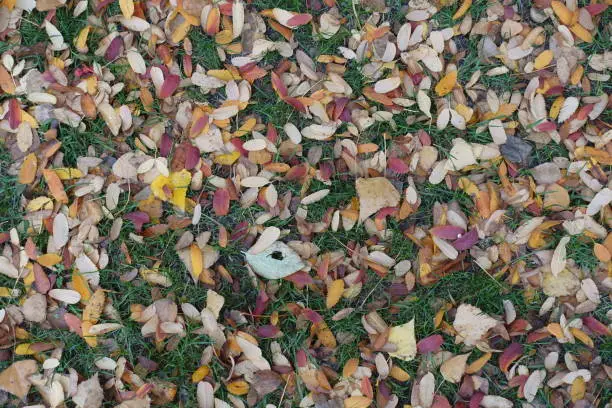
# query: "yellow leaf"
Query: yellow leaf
577,75
578,389
180,181
582,336
563,13
246,127
40,203
199,374
180,32
94,307
66,173
80,42
239,387
404,339
127,8
227,159
90,339
543,59
582,33
357,402
197,263
556,107
447,83
224,37
161,187
48,260
556,330
477,365
79,283
462,10
24,349
334,293
27,171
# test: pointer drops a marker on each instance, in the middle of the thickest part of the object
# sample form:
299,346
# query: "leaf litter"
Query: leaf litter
477,133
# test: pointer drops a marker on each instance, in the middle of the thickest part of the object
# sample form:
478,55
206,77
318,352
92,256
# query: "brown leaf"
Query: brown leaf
15,378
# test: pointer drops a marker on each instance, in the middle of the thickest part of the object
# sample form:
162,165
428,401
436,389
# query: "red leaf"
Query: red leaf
261,302
537,336
510,354
595,326
296,172
296,103
41,280
192,157
583,113
475,400
299,19
302,358
430,344
467,240
114,49
311,315
165,146
268,331
138,218
546,126
300,279
440,401
271,133
397,165
14,114
170,84
595,9
278,85
447,231
74,323
221,202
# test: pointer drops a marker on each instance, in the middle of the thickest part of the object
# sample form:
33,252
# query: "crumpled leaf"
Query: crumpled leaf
472,324
375,193
89,393
14,379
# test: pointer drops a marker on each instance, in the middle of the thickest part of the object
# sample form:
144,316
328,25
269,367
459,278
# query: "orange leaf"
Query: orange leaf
27,171
447,83
350,367
55,186
462,10
6,81
199,374
582,336
334,293
357,402
80,284
477,365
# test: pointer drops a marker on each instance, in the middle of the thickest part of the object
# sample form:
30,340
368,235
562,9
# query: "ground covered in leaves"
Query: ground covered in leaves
313,203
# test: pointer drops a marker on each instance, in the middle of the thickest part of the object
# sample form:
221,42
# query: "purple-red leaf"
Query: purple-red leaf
430,344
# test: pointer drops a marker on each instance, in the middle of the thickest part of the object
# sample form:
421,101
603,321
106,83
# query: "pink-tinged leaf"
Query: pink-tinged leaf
508,12
302,358
198,126
14,114
271,133
268,331
192,157
300,279
424,138
467,240
261,302
555,90
296,103
339,105
430,344
397,165
296,173
510,354
299,19
583,113
440,401
74,323
147,364
165,145
385,212
345,116
574,136
278,85
240,231
518,381
326,170
447,231
311,315
114,49
546,126
170,84
398,290
596,326
476,399
238,143
226,8
595,9
41,280
138,218
221,202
